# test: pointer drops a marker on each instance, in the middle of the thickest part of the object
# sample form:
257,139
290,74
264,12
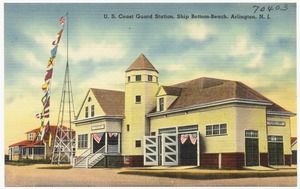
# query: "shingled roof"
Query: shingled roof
175,91
141,63
208,90
112,102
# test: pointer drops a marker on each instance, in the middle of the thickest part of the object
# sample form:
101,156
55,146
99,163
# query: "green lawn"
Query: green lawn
210,175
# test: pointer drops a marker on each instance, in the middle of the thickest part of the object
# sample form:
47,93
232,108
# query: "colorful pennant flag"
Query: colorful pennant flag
43,132
50,139
47,127
53,51
47,104
49,74
39,115
45,114
51,62
45,97
56,41
45,86
62,21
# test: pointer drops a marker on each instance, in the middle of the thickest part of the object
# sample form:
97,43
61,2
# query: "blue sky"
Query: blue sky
258,52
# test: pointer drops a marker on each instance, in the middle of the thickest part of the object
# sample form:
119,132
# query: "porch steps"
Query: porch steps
82,164
98,158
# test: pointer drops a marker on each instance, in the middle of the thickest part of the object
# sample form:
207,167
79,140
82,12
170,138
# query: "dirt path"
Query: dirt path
31,176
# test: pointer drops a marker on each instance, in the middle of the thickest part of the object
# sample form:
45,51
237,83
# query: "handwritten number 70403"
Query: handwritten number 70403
283,7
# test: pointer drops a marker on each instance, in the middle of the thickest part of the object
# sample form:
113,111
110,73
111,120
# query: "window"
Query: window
128,78
30,136
216,129
86,112
82,141
251,134
138,78
92,111
137,99
39,151
138,143
223,129
275,138
23,151
150,77
167,130
209,130
161,104
30,151
90,99
188,128
128,127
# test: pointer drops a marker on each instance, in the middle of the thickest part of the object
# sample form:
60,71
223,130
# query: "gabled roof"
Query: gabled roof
141,63
208,90
22,143
29,143
112,102
37,130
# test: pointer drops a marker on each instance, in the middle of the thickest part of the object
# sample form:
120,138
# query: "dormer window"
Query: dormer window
161,104
138,78
30,136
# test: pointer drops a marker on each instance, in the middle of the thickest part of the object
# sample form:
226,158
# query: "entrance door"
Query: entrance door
252,154
151,150
275,153
188,146
98,141
169,149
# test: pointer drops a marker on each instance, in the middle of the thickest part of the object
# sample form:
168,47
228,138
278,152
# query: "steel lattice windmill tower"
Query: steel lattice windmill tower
64,141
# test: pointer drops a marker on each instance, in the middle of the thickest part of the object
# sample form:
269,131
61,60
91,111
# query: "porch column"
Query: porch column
119,143
198,148
105,142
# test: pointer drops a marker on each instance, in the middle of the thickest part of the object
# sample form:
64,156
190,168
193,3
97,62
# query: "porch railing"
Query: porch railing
96,157
82,156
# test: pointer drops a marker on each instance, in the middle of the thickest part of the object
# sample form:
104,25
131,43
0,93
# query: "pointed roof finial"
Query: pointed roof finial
141,63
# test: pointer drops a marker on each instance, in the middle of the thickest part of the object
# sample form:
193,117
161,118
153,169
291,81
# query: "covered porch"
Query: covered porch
103,146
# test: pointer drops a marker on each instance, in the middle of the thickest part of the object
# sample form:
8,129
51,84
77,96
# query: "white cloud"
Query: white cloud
253,52
113,80
199,32
30,59
240,47
285,67
97,52
258,59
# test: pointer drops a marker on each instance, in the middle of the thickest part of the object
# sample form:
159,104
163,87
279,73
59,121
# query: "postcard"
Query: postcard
150,94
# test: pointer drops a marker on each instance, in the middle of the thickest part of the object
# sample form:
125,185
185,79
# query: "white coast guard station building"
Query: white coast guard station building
206,122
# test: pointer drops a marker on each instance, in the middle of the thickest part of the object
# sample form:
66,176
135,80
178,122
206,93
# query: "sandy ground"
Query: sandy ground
31,176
